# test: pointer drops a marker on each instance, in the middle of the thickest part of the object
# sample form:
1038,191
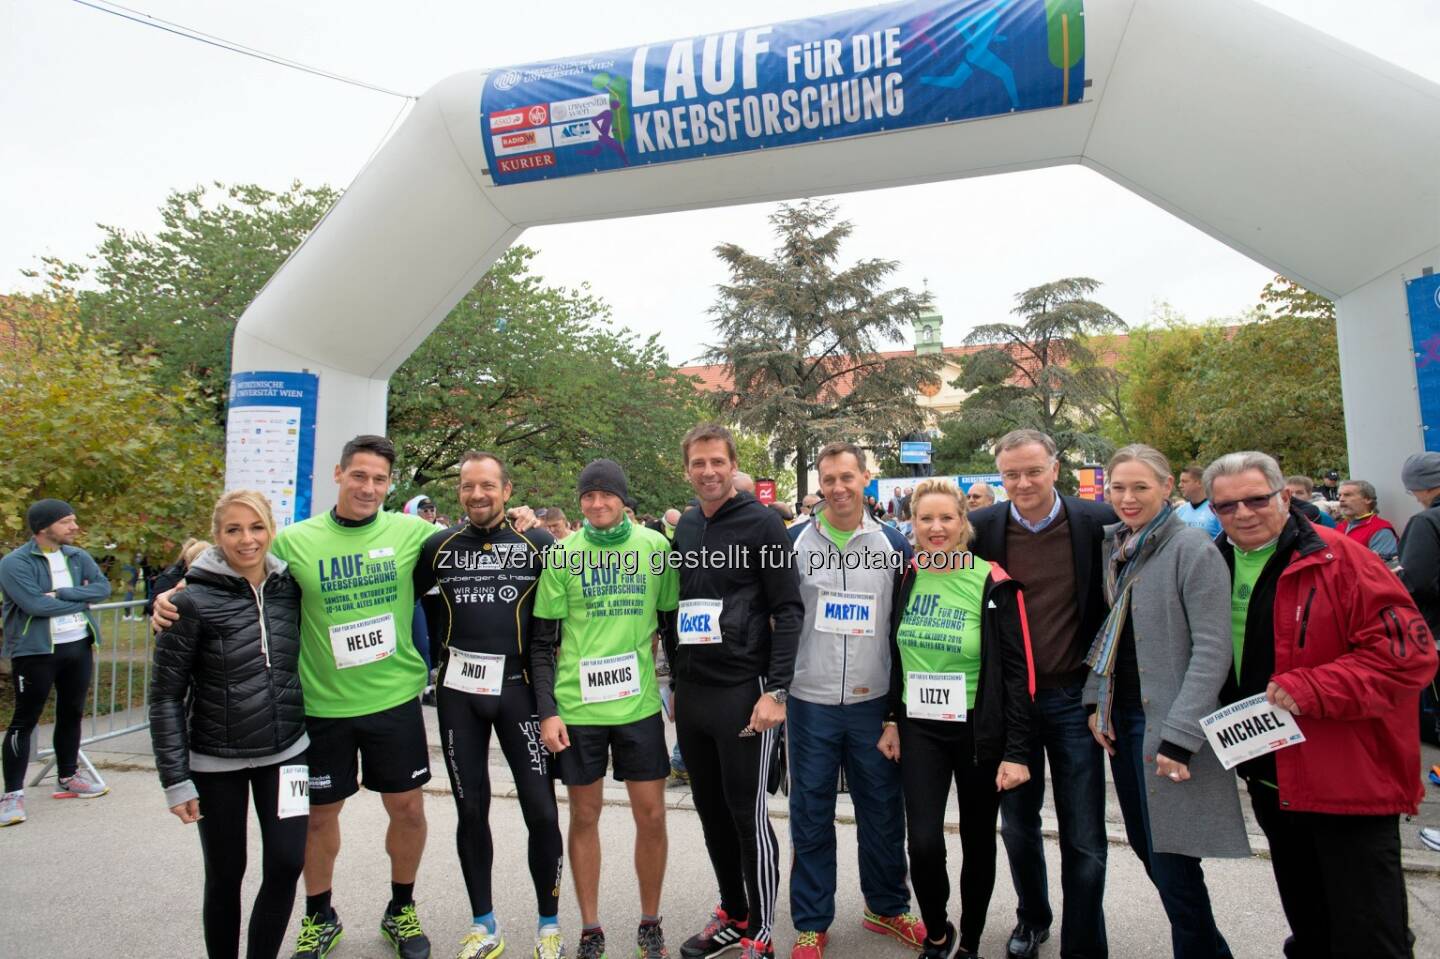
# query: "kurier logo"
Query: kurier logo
532,161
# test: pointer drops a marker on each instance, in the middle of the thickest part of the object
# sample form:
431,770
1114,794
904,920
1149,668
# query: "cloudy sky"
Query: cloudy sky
102,117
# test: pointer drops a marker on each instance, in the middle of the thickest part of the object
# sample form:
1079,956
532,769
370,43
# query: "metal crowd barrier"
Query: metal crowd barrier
122,670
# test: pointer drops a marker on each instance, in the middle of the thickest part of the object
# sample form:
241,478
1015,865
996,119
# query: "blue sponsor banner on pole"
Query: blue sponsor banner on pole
270,439
1423,296
915,452
849,74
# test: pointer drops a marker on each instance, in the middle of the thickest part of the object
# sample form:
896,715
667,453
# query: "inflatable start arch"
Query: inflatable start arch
1178,102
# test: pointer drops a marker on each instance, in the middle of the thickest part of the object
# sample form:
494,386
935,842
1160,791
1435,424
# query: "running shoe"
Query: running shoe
906,927
12,808
750,949
809,945
592,946
720,935
549,944
79,786
1435,774
1429,835
650,942
940,950
318,936
481,943
403,931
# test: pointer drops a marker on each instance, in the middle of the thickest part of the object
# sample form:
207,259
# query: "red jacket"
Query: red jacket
1354,652
1368,527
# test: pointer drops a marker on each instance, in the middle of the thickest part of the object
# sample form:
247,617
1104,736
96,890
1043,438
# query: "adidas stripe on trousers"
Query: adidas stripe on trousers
728,774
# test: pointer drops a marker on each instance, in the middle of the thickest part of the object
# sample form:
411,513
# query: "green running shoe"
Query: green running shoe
318,936
403,931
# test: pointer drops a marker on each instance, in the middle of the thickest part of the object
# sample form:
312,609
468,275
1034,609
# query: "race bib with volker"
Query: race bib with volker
611,678
368,641
698,622
847,614
1252,727
294,791
479,674
935,696
69,624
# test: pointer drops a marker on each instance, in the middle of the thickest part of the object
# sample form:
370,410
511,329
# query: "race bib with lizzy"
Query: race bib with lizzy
698,623
935,696
363,642
845,614
610,678
479,674
294,791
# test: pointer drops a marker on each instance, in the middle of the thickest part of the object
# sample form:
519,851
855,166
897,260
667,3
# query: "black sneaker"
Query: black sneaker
1025,942
940,950
402,930
650,942
592,946
318,936
720,935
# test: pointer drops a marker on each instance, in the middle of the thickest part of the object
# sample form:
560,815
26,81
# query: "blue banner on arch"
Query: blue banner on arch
1423,296
849,74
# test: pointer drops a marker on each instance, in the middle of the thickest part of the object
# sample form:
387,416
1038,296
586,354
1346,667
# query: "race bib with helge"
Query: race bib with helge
611,678
479,674
363,642
699,621
935,696
845,614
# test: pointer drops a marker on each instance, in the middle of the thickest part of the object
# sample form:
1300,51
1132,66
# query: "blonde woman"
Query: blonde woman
1157,667
227,719
961,685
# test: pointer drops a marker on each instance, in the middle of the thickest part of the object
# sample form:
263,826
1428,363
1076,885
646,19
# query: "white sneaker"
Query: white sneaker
79,786
1429,835
481,943
12,808
549,944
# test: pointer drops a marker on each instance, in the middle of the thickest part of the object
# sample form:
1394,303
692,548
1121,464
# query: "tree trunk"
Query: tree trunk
802,475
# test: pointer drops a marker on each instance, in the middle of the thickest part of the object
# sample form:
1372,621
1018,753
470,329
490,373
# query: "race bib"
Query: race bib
935,696
1252,727
845,614
294,792
70,623
698,622
368,641
479,674
611,678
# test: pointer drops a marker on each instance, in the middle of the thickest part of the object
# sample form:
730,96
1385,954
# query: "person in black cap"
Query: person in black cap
49,584
1420,568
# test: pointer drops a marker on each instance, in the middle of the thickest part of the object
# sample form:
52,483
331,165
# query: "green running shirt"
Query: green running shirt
348,575
837,536
608,615
1248,567
940,630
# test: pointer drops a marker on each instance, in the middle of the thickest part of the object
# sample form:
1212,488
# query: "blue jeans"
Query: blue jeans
819,738
1061,730
1179,879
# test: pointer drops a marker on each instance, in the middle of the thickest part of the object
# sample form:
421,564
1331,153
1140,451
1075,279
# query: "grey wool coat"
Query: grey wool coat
1180,613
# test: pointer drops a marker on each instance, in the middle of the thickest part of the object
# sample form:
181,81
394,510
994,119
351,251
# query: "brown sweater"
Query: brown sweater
1044,563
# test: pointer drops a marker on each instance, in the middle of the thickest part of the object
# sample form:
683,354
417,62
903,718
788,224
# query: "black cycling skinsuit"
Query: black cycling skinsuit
487,579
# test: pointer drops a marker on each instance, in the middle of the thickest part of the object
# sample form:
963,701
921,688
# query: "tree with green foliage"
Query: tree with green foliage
801,339
177,295
103,428
1042,372
538,375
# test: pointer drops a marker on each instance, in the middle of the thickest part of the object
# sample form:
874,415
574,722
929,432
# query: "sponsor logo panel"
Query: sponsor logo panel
581,131
526,141
520,118
581,108
535,161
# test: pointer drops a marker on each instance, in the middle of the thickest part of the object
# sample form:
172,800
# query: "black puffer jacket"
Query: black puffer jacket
226,681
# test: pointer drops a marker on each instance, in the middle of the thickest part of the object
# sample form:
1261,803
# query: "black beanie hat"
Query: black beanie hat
46,513
605,476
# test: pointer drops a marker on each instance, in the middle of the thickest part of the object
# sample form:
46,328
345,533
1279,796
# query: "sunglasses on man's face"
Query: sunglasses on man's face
1253,503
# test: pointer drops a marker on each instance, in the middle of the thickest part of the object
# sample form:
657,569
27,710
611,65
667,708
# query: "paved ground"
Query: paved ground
123,872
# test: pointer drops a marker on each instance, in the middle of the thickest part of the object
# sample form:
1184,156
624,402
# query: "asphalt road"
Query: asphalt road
121,877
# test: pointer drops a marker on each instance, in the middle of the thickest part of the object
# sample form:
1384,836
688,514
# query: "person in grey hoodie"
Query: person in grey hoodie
850,568
227,719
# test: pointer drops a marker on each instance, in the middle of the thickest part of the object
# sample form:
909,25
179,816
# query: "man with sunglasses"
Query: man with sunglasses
1325,631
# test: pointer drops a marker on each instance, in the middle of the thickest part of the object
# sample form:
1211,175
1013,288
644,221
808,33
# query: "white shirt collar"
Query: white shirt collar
1037,527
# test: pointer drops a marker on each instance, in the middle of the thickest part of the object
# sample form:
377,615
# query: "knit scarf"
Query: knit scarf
1130,551
613,536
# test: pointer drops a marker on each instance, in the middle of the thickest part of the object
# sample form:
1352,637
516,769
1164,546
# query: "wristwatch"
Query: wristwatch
779,695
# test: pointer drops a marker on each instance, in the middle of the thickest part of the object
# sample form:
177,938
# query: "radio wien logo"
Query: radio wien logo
514,141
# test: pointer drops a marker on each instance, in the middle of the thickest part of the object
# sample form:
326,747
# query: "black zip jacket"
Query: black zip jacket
487,578
226,681
754,574
1420,563
1005,691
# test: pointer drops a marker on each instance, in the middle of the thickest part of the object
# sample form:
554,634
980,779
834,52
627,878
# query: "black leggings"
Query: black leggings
466,722
68,670
932,755
223,810
728,776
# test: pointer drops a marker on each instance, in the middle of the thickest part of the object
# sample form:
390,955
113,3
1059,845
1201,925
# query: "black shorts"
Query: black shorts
389,746
638,750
